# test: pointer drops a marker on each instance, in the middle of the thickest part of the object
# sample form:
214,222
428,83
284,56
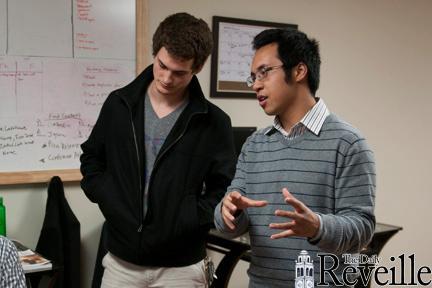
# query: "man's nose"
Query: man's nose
167,76
257,85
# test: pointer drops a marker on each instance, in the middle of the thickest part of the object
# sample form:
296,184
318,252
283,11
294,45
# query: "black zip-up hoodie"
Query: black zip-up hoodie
198,153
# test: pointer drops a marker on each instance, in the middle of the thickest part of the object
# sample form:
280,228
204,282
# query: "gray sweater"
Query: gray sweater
332,173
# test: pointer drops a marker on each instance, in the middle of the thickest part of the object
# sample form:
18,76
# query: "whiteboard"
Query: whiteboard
40,28
51,92
50,108
115,39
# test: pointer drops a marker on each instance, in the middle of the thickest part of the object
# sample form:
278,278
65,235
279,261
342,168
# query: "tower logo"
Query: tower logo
304,271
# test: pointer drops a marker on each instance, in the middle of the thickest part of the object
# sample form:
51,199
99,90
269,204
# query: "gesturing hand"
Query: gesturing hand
235,202
304,223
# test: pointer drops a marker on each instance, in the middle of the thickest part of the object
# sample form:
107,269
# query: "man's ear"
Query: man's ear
300,72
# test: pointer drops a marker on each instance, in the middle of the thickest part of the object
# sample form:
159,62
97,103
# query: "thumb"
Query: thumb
235,195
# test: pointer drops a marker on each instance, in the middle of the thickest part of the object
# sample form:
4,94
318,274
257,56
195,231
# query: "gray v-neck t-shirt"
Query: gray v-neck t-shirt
156,131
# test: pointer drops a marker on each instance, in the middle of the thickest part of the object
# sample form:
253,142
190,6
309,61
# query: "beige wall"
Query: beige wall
376,59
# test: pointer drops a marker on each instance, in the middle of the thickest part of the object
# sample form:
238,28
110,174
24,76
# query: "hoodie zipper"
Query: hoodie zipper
140,193
139,177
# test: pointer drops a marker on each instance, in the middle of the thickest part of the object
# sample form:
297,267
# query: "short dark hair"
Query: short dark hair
184,37
293,47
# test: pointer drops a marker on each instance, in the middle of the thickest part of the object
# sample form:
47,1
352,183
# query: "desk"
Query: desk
239,248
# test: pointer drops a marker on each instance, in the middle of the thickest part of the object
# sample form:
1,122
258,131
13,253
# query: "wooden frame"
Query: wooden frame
233,54
74,175
142,38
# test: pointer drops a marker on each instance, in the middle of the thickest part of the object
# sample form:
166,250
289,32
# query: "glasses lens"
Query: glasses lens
262,73
249,81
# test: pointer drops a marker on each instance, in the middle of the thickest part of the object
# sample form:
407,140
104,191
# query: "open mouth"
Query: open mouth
262,100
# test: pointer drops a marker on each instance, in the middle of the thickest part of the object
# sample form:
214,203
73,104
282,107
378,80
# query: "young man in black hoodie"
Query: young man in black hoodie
157,162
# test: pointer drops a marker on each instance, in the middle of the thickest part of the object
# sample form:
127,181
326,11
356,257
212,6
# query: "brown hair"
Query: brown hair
184,37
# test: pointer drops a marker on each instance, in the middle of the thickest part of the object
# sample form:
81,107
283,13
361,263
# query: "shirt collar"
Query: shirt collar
312,120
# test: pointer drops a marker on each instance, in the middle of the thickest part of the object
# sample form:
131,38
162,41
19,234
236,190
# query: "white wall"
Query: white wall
375,74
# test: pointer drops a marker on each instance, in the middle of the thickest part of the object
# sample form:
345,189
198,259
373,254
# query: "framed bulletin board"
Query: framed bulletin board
55,78
232,55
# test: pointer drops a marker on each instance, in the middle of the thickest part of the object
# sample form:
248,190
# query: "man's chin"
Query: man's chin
269,112
164,91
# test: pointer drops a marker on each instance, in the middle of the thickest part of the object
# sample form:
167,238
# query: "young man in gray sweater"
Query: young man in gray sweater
305,183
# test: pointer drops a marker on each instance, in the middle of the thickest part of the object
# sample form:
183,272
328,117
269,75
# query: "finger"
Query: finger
296,204
228,222
232,202
286,193
240,200
227,203
235,198
284,234
285,226
253,203
288,214
227,213
290,199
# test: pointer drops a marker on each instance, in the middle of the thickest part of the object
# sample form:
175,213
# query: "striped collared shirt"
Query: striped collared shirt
312,120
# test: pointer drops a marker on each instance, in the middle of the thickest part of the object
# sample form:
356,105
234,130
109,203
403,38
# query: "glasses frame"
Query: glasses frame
261,74
232,39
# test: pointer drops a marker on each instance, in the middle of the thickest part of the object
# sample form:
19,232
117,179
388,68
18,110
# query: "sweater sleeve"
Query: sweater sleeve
352,225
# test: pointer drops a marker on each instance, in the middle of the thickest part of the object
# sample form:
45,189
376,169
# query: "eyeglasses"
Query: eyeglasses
260,74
